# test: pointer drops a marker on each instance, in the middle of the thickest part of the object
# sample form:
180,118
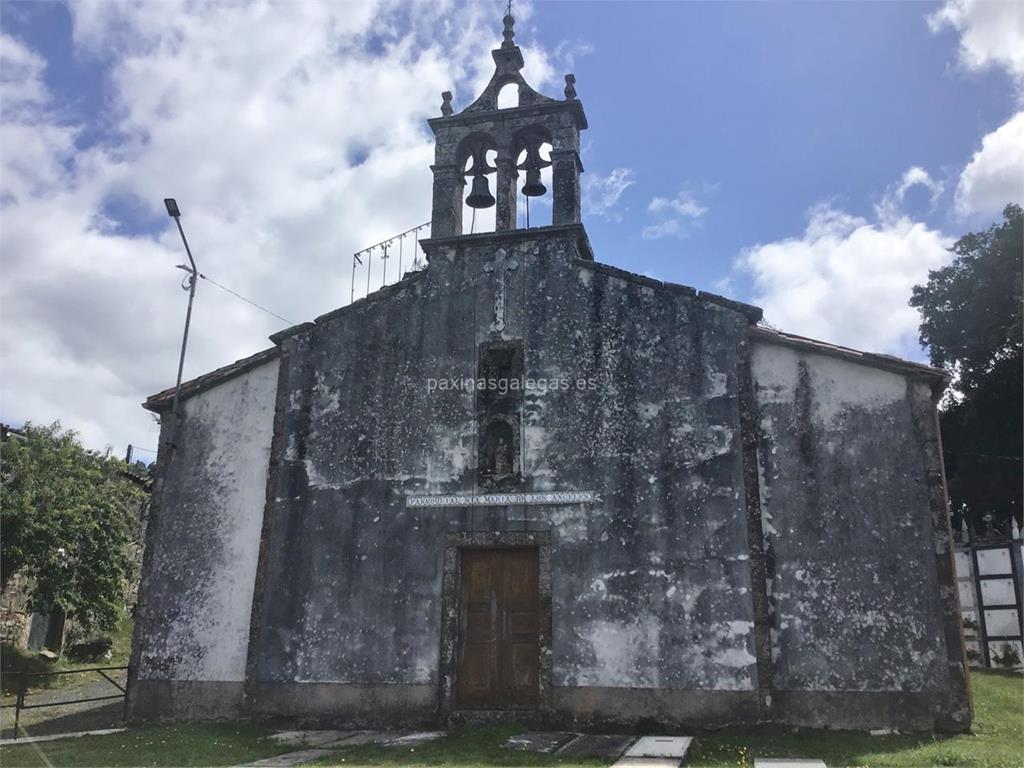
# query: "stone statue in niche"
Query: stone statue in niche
502,458
499,413
498,455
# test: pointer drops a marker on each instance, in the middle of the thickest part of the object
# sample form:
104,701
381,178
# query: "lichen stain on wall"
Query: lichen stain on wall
837,385
656,437
847,526
207,542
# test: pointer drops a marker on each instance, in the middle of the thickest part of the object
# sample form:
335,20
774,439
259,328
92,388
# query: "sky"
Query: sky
816,159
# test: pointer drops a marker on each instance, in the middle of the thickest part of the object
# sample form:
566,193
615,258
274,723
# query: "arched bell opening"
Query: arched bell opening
478,155
508,96
533,165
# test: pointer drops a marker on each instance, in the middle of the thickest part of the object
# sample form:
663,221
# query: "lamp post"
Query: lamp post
193,276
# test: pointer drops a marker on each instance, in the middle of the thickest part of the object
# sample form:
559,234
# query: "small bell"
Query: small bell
533,186
480,195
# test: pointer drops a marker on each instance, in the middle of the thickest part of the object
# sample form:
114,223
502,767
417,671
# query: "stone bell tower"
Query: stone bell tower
504,152
514,136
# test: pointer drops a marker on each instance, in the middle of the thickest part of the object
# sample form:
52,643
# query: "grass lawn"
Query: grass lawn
998,742
462,748
175,745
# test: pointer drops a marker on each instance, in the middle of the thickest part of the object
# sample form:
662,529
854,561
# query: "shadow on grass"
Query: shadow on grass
94,718
13,662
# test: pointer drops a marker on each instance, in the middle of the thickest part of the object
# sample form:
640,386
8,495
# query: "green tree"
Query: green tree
972,325
67,515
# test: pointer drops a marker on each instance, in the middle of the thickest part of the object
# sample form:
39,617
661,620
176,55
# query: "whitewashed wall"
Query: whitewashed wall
853,589
206,542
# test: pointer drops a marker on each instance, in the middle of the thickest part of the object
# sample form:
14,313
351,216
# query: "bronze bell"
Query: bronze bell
533,186
480,195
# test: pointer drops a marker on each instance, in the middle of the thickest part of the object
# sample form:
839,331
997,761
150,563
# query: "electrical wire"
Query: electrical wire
1017,459
243,298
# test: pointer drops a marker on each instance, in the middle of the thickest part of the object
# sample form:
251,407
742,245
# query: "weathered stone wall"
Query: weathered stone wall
14,614
650,587
203,542
666,403
855,542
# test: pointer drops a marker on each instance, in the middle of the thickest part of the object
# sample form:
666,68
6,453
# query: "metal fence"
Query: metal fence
24,679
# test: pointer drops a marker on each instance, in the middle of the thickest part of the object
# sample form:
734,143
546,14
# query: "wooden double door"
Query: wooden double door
499,629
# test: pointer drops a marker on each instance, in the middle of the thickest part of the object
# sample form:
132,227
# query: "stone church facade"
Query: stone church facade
669,514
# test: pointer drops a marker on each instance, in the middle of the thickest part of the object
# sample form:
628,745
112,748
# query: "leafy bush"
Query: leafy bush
67,515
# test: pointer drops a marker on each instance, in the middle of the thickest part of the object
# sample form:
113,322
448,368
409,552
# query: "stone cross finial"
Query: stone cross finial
508,32
570,87
501,265
446,103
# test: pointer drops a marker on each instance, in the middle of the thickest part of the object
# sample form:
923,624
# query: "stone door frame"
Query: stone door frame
455,542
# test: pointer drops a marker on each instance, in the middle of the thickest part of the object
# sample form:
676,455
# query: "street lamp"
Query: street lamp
193,276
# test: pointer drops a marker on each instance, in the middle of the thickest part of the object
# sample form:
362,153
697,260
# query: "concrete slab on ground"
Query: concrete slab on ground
785,762
311,738
661,746
290,759
540,741
359,738
412,739
597,745
57,736
647,762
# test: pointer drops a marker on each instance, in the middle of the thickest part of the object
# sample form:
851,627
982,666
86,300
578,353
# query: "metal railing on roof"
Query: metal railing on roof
403,248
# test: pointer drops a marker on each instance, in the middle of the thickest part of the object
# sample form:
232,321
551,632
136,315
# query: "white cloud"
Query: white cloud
991,33
291,134
679,215
991,36
21,77
568,51
601,193
995,175
890,207
847,280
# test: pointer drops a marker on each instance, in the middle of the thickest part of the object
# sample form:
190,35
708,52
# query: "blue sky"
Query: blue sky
775,106
815,158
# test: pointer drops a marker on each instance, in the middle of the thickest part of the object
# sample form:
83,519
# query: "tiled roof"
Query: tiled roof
161,401
870,358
